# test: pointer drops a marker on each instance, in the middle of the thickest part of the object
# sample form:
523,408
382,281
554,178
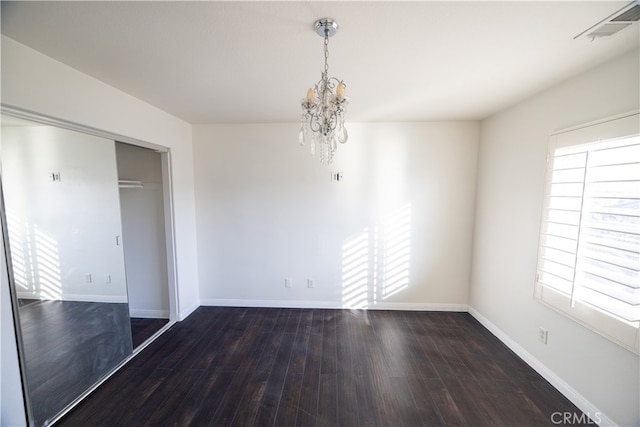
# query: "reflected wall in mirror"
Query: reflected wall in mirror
62,211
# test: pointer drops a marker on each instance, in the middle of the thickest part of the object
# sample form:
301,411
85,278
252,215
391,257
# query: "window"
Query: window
589,253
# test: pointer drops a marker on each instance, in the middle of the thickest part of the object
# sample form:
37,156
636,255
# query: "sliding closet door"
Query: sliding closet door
62,211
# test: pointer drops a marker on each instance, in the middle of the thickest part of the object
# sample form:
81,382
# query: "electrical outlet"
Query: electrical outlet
88,278
309,283
287,283
543,334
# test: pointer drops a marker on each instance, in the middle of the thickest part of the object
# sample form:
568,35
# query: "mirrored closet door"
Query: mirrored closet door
62,223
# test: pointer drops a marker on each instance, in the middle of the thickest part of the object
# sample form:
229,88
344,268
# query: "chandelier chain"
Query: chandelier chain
326,53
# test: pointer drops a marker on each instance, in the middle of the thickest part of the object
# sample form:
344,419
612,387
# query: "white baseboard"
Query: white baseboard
330,304
80,298
148,314
267,303
569,392
417,306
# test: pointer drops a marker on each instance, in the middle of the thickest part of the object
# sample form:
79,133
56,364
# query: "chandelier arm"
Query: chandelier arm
314,122
320,124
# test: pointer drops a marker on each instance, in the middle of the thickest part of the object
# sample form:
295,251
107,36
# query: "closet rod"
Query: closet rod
129,184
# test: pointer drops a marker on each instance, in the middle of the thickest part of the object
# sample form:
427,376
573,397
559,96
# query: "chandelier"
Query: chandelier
322,121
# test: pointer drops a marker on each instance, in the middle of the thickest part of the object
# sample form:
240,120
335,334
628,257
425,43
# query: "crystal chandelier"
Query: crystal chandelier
322,121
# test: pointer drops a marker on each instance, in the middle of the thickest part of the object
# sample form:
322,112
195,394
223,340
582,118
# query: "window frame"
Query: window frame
622,333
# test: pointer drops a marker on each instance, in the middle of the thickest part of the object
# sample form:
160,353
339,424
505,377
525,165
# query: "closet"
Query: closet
85,221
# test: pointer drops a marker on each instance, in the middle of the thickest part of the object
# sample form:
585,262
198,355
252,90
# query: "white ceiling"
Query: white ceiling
239,62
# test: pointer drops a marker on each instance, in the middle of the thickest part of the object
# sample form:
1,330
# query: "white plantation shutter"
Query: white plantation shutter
589,253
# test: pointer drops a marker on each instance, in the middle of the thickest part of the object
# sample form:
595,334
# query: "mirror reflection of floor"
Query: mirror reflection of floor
143,329
68,346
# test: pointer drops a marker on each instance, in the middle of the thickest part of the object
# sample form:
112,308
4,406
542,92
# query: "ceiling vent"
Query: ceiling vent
615,23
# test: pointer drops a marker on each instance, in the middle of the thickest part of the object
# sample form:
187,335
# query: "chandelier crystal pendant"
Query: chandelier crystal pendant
323,109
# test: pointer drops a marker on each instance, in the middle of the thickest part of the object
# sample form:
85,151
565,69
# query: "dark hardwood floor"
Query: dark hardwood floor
312,367
142,329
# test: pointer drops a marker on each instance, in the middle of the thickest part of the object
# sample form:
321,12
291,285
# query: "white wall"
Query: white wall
42,85
143,229
509,199
395,232
62,231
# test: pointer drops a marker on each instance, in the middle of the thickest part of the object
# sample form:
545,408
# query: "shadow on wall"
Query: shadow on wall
376,262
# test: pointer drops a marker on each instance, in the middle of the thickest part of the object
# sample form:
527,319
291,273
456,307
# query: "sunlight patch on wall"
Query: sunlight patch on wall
20,259
34,256
395,246
355,270
376,262
48,266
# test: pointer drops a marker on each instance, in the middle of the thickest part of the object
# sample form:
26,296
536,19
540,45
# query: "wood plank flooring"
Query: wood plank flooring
311,367
142,329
